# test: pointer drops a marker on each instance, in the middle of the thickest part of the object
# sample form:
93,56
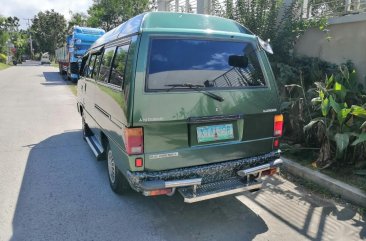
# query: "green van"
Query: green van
184,102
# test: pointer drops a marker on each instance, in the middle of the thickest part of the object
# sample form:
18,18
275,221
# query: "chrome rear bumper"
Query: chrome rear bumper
210,173
258,169
195,189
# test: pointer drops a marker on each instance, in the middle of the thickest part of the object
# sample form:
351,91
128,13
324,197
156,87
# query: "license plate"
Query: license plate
215,133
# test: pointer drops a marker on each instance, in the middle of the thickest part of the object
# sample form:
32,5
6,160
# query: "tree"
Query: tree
261,17
21,43
108,14
48,30
79,19
8,27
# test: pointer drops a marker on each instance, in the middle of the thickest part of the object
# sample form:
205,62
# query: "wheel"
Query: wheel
117,181
85,128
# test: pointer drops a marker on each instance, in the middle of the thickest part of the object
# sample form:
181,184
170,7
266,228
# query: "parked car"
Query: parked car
45,58
183,102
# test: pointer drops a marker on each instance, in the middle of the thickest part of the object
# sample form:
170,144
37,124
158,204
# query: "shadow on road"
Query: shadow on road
65,195
313,217
53,78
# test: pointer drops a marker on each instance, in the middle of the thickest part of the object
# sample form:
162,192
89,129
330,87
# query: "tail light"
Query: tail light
164,191
278,125
276,143
270,172
134,141
139,162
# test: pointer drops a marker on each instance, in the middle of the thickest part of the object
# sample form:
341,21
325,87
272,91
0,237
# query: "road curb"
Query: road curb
347,192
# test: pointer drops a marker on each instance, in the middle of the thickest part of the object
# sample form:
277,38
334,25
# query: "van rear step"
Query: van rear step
217,189
95,146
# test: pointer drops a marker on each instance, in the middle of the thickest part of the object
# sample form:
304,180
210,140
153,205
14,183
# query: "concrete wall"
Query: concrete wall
348,42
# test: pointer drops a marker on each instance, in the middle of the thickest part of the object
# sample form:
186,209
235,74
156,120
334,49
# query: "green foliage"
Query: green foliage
274,20
108,14
9,24
2,58
291,26
259,16
8,27
79,19
296,84
48,30
21,43
311,69
341,101
360,139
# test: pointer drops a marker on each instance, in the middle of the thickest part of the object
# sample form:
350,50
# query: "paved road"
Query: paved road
51,188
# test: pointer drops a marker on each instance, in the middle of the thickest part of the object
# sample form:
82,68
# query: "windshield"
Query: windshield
209,63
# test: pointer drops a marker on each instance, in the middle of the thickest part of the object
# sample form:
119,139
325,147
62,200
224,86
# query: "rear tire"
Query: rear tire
117,181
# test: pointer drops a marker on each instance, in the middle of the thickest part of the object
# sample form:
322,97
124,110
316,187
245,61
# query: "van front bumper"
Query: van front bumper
247,168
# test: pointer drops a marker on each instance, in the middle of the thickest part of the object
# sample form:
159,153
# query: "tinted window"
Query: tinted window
84,65
89,66
96,66
118,66
105,65
204,63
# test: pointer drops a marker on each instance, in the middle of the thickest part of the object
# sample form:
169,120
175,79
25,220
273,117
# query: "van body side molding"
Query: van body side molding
100,109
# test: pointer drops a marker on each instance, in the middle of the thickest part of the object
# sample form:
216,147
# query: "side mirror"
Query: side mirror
265,45
238,61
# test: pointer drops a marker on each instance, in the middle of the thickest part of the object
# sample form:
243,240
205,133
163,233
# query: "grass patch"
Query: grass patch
4,66
344,173
73,88
54,64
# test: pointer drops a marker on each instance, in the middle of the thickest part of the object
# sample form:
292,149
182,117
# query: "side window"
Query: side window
84,65
118,66
89,66
95,69
105,65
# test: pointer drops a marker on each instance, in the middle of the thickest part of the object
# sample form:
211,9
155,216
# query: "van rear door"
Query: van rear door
203,101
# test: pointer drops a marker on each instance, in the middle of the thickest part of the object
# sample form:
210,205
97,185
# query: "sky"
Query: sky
24,9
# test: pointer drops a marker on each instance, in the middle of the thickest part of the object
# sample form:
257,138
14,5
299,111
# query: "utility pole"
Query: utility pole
30,37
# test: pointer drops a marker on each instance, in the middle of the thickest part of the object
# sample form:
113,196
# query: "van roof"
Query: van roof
157,21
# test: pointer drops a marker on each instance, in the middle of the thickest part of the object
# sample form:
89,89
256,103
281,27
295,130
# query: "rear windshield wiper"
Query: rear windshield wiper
198,88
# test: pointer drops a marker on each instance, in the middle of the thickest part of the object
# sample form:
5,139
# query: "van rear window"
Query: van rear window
204,63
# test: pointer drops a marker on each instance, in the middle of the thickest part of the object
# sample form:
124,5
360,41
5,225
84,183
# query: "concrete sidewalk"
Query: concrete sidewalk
347,192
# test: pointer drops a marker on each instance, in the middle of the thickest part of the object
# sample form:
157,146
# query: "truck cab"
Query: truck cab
77,43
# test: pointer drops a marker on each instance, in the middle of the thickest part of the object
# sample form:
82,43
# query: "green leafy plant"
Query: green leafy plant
296,83
341,126
2,58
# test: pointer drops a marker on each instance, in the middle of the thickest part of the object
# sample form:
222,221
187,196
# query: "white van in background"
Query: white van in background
45,59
